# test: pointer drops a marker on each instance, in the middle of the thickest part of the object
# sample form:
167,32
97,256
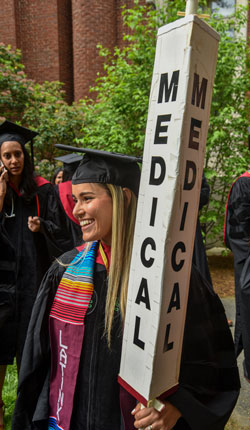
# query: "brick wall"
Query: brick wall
100,23
44,35
120,27
37,37
92,24
8,23
65,46
58,38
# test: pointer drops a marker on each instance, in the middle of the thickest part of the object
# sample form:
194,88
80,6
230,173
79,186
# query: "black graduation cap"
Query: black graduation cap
248,138
11,132
106,168
70,164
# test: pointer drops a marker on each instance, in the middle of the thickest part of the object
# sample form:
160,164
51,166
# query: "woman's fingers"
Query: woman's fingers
34,223
145,417
3,173
151,419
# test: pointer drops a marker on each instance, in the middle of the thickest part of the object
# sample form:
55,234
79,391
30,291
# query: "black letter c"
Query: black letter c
146,242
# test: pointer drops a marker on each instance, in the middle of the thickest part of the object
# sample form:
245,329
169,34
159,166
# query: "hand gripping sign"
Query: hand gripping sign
176,133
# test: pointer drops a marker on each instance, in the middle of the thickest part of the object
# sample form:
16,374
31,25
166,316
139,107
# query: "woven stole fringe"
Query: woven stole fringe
66,324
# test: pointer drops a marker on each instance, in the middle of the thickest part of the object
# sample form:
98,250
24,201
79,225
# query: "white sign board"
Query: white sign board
177,126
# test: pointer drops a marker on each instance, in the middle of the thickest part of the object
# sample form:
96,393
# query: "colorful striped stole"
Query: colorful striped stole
66,324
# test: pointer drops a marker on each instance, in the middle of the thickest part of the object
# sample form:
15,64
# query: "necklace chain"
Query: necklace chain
11,215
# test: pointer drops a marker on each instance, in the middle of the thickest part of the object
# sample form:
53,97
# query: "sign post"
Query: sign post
177,125
191,7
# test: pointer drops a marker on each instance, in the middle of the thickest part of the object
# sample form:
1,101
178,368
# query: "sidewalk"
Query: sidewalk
240,419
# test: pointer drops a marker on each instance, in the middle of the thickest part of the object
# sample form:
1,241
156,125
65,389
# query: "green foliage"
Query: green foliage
115,118
39,106
9,394
46,168
53,119
227,152
16,91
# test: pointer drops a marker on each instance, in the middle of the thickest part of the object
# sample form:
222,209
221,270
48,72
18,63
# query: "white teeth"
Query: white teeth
85,222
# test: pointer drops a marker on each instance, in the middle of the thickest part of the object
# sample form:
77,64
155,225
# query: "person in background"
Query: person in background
71,381
70,163
68,234
199,255
64,194
24,254
237,238
57,177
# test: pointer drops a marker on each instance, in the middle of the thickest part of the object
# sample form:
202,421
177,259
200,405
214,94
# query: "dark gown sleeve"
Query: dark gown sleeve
238,218
33,383
55,225
209,381
7,275
245,315
205,191
237,236
199,253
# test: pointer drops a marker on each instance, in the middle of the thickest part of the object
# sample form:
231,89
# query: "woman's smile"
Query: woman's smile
93,209
85,222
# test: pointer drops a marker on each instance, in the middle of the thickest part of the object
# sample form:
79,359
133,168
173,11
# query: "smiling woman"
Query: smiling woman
93,209
71,382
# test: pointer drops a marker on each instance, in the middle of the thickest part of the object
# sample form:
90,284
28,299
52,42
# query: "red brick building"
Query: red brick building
58,38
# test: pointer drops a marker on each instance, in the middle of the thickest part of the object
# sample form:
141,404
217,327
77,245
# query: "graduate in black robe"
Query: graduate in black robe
23,197
68,233
237,238
61,230
24,257
199,255
57,177
244,303
65,203
209,381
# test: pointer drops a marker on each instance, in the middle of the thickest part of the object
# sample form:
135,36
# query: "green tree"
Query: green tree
54,120
117,120
227,152
16,91
41,107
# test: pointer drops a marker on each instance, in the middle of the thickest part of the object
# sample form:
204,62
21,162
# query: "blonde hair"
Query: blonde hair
123,222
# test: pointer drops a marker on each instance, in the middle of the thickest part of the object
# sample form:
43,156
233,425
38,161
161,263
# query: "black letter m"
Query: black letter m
197,93
173,86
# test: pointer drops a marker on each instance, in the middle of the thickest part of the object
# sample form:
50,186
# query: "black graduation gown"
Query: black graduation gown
28,254
209,381
237,238
245,314
7,278
199,253
61,229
